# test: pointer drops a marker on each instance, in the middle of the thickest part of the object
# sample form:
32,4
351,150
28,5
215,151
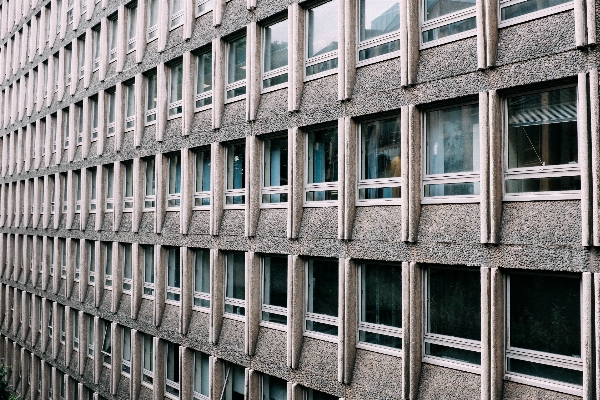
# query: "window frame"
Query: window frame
176,19
128,201
242,82
106,356
310,61
174,197
204,194
109,201
529,16
445,20
275,72
321,186
108,277
199,97
147,378
284,311
96,48
113,29
111,100
127,283
234,192
176,386
91,262
374,42
146,285
149,198
129,119
315,317
93,192
150,114
199,295
131,40
198,12
269,190
232,301
173,290
94,112
125,364
152,31
195,394
177,105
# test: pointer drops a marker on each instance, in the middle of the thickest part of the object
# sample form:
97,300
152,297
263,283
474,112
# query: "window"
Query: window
126,351
147,360
75,316
322,297
112,38
379,29
202,278
512,12
176,88
108,265
77,179
542,148
79,113
54,128
90,327
109,187
63,324
380,162
236,69
66,128
151,93
177,12
61,384
111,99
91,262
452,154
149,185
173,275
77,258
275,57
235,283
273,388
131,28
201,376
275,171
70,6
453,317
274,296
50,321
152,19
235,384
322,39
202,185
67,65
174,181
204,80
322,166
127,268
128,187
203,6
235,189
172,371
543,330
94,107
129,106
92,189
106,345
81,54
96,47
380,324
148,252
63,258
447,19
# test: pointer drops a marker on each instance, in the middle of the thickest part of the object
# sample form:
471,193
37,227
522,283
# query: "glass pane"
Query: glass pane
453,140
130,101
204,79
172,362
276,162
323,287
545,371
112,36
320,327
323,156
379,193
378,50
276,46
173,279
275,318
379,339
201,374
378,17
275,281
149,264
453,353
94,114
450,29
322,29
276,80
203,171
176,83
127,273
381,294
128,180
454,301
174,174
151,89
380,149
131,23
150,184
236,275
109,182
545,313
236,64
108,258
314,395
452,189
438,8
152,12
111,107
202,271
559,183
236,159
542,129
529,6
126,347
148,356
274,388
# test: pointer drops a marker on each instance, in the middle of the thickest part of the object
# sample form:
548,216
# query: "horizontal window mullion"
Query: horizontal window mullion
326,319
235,192
204,95
451,341
557,360
321,58
235,302
379,183
381,329
235,85
452,178
389,37
523,174
275,72
275,189
274,309
448,19
321,186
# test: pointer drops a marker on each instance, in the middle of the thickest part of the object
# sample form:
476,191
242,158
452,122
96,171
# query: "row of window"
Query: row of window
543,310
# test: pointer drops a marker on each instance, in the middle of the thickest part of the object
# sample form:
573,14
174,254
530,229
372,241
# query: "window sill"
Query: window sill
148,297
235,99
282,205
324,203
451,199
235,317
321,336
174,116
319,75
461,366
272,325
208,107
234,206
534,15
379,202
205,310
544,384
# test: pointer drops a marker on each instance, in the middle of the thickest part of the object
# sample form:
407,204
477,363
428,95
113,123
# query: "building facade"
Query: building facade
300,200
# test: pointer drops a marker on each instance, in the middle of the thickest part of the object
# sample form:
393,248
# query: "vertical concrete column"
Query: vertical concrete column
495,159
596,322
295,56
580,23
159,369
38,145
348,208
103,49
187,289
595,156
584,157
90,9
37,258
414,177
63,21
44,376
253,301
139,108
70,199
118,183
35,319
253,78
84,340
68,335
119,115
60,122
485,332
77,7
163,24
56,266
296,207
116,343
70,252
216,377
97,339
30,95
252,382
587,337
56,325
74,65
480,17
295,310
121,37
57,199
216,193
117,289
61,74
187,371
484,168
413,40
141,32
137,274
89,58
138,194
84,262
25,314
159,285
84,212
341,174
497,318
349,50
217,295
160,212
162,100
99,274
28,147
341,52
218,11
188,187
350,313
100,196
136,363
253,185
189,77
50,82
46,251
218,77
416,336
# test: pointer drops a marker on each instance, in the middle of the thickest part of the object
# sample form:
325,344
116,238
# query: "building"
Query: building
252,199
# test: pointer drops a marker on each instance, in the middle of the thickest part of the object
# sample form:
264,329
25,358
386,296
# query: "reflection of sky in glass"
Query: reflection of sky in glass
276,45
437,8
378,17
322,29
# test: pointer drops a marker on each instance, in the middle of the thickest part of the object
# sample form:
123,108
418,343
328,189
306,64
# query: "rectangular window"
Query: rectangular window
201,376
81,54
202,278
94,107
106,345
131,28
322,39
322,167
127,268
149,185
70,6
129,107
176,89
152,19
542,147
111,99
173,275
79,114
543,330
92,189
512,12
172,371
235,385
63,324
75,316
77,258
275,56
203,6
113,24
56,70
128,187
147,360
109,187
235,189
275,172
50,320
204,80
235,284
453,317
66,125
274,296
322,297
96,47
273,388
126,351
54,128
380,162
77,179
91,262
380,324
67,66
177,11
90,329
202,185
63,258
108,265
174,181
379,30
236,69
148,252
447,20
151,93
